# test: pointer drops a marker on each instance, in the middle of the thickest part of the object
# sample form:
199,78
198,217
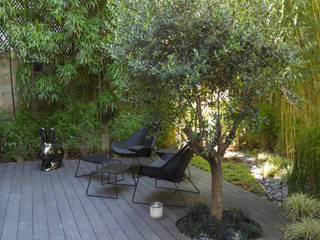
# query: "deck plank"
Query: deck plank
143,212
69,223
139,222
25,226
55,227
10,225
121,217
5,186
83,223
40,205
109,220
40,222
100,229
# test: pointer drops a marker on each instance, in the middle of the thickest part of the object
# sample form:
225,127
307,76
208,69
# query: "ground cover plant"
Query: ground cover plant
203,68
274,166
304,211
298,206
235,224
307,229
234,171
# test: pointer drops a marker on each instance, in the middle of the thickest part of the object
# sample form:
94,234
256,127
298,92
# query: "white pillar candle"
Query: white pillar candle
156,210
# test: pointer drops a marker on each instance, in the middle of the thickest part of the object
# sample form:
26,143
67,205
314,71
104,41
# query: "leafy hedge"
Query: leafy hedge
75,128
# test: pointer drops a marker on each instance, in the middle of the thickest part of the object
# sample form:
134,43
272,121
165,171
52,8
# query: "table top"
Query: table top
114,168
167,150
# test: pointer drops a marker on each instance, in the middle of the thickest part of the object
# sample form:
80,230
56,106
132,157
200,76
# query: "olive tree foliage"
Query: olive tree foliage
201,66
69,38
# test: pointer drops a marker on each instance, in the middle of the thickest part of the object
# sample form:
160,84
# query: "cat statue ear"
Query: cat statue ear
43,135
51,135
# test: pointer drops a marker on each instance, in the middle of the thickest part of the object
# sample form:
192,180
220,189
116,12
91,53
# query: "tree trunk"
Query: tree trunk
216,188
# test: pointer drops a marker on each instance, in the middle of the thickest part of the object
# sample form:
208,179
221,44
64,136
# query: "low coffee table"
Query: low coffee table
111,168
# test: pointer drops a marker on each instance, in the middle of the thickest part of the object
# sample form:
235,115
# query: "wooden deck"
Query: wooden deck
41,205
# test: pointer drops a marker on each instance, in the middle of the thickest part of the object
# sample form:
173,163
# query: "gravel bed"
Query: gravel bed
276,189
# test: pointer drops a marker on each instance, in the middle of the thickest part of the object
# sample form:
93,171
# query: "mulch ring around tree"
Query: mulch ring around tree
234,225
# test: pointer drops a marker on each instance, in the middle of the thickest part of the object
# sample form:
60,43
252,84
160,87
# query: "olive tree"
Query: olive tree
202,67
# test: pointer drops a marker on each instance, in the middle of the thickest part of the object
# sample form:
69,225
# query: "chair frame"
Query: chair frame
115,182
104,160
175,189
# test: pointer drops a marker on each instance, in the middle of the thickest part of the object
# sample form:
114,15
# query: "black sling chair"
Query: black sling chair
173,171
139,144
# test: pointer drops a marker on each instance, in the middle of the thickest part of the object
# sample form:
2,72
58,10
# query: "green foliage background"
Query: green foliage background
70,40
67,38
292,130
75,128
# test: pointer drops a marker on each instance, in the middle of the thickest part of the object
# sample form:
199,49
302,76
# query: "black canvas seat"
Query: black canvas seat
95,159
139,144
172,170
167,154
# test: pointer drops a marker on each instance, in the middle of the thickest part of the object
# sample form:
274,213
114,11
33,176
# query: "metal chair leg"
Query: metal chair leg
87,190
181,196
86,174
116,184
168,205
189,173
180,190
101,196
134,192
76,173
197,190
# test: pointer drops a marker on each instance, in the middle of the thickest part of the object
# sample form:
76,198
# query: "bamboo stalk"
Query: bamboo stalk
11,80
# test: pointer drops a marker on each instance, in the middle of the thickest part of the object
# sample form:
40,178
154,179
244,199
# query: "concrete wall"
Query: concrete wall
5,84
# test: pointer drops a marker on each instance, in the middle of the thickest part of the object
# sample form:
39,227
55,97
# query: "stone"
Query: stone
277,195
273,186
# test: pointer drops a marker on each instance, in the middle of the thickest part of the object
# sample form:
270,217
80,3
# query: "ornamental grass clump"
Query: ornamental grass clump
299,206
307,229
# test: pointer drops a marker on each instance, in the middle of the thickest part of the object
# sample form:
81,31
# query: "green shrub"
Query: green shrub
126,123
262,131
299,206
307,229
75,128
198,222
273,165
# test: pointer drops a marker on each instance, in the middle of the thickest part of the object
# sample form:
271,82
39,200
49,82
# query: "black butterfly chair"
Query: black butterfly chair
173,171
139,144
166,155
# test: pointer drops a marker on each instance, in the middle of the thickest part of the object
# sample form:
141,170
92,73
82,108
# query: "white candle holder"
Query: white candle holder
156,210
